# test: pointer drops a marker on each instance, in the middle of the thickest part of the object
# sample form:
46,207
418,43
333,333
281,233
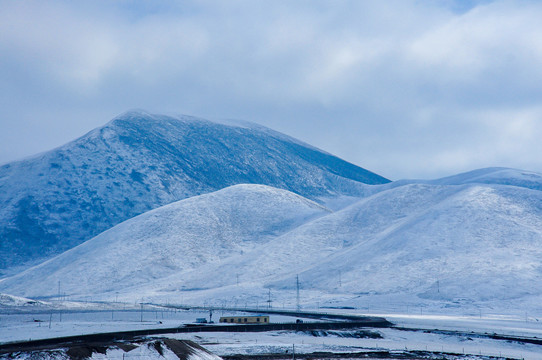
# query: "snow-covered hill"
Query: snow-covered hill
442,243
10,301
138,162
462,242
178,237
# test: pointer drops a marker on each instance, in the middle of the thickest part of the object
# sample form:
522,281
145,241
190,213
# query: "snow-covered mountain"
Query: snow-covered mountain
443,242
138,162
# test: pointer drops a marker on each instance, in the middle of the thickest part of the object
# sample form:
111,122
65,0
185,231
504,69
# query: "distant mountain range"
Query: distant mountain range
202,211
138,162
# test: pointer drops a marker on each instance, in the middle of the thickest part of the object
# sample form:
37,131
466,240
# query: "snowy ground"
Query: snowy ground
46,323
393,339
280,342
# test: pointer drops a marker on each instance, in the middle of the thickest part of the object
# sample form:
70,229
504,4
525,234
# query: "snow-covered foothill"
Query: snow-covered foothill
178,237
431,244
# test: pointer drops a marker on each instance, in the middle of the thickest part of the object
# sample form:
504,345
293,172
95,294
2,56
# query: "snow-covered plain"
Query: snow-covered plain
17,327
44,323
395,340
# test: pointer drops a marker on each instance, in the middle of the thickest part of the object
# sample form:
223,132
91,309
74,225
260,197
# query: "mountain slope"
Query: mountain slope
184,235
138,162
479,242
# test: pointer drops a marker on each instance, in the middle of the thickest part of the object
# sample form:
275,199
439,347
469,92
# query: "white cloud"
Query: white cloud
392,86
497,37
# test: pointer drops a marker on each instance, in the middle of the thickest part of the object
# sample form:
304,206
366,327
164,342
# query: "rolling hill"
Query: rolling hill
182,236
465,242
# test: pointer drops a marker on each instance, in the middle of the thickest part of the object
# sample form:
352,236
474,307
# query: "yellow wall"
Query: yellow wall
245,319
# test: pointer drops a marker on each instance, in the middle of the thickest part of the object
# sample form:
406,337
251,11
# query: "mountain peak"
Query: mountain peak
140,161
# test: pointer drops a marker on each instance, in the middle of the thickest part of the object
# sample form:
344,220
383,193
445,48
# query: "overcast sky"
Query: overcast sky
407,89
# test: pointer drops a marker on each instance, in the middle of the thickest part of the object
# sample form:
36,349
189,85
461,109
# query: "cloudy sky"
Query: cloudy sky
408,89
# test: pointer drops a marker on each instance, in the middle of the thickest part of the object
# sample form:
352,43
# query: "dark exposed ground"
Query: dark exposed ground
182,348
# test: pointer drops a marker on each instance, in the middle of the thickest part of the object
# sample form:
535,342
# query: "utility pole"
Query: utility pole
269,299
297,297
141,312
